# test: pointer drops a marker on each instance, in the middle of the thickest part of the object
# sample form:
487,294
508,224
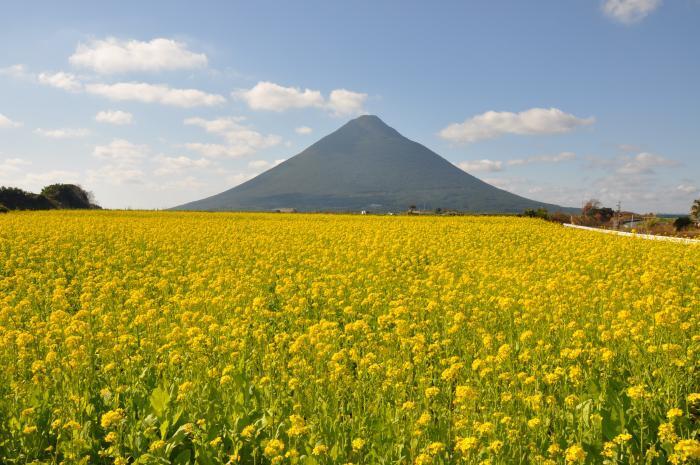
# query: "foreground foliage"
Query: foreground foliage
158,338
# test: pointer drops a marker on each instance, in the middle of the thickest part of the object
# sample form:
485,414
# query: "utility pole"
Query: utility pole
619,216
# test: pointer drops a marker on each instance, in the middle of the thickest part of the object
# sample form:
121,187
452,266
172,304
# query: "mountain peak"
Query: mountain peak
368,124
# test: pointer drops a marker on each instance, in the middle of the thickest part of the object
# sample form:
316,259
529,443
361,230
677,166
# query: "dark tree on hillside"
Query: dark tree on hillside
539,213
17,199
682,222
68,196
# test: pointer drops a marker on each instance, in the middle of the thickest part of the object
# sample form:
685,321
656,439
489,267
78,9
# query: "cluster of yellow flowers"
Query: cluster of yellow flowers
133,337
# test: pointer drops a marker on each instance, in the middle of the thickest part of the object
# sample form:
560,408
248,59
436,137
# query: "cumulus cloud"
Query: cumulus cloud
529,122
188,183
343,102
117,117
18,71
234,179
111,56
629,11
560,157
123,166
64,133
687,188
274,97
174,165
116,175
51,177
121,150
221,126
61,80
155,93
6,122
643,163
13,172
264,164
303,130
241,140
12,165
481,165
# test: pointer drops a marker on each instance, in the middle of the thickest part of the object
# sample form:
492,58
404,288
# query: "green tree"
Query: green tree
695,211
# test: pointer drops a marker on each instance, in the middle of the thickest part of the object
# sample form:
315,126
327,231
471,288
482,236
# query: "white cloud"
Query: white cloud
188,183
13,172
173,165
61,80
217,150
264,164
12,165
643,163
121,150
481,165
64,133
529,122
123,167
235,179
630,11
111,55
221,126
117,117
303,130
116,175
241,140
18,71
560,157
687,188
6,122
274,97
12,175
155,93
50,177
343,102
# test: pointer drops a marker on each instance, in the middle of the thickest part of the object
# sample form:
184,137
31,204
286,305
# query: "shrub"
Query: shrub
539,213
69,196
682,222
17,199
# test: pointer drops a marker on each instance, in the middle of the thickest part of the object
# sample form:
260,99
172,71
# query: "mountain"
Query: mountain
366,165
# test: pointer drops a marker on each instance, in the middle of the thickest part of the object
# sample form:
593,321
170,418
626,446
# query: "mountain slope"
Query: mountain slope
366,165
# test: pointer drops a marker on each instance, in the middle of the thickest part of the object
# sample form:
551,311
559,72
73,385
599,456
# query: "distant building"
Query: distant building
285,210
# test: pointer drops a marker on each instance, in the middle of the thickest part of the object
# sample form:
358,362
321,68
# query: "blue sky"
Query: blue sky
151,104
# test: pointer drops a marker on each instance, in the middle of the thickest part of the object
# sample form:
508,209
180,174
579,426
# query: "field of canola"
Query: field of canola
156,338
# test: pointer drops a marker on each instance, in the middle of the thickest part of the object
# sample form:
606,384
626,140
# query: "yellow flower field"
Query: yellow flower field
158,338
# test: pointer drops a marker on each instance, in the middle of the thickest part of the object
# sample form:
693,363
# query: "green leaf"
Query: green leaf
159,401
164,429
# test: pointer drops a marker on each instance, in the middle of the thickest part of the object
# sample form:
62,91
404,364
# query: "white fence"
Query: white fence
652,237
